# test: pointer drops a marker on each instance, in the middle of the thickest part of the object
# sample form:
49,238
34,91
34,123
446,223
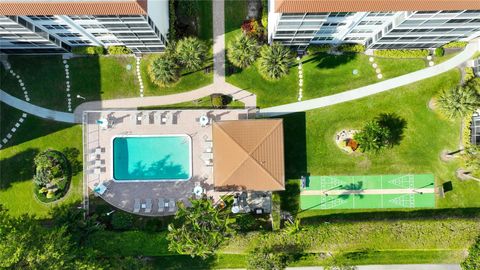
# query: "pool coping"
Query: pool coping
190,158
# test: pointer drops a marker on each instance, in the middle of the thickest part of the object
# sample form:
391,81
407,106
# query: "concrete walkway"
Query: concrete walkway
36,110
376,88
219,41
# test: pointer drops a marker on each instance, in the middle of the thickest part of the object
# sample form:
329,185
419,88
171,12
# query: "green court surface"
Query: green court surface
389,184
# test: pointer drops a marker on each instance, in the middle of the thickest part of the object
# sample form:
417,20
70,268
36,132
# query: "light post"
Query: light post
80,97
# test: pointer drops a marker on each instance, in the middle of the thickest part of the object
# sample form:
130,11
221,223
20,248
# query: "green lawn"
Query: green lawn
188,81
44,78
104,77
16,161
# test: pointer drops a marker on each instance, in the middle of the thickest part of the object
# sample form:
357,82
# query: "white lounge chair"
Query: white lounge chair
161,205
171,206
148,205
136,206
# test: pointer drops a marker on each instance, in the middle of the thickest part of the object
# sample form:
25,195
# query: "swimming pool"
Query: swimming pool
152,158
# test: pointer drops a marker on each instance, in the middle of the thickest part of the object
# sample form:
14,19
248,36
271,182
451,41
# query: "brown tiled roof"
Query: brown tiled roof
106,7
248,155
302,6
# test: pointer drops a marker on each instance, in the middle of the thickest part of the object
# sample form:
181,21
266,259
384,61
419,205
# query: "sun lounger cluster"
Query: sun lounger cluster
155,118
97,161
146,206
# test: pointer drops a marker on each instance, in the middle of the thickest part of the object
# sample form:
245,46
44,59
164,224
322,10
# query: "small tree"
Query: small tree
373,136
471,155
275,61
198,230
191,53
163,70
242,51
459,101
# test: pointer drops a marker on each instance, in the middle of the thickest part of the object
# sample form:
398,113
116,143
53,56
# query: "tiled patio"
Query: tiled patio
122,194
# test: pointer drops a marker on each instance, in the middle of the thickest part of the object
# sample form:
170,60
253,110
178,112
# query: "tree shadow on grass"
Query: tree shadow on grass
290,197
330,61
395,124
295,145
174,262
17,168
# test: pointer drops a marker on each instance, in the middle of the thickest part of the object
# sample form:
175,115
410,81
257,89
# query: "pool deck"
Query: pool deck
98,166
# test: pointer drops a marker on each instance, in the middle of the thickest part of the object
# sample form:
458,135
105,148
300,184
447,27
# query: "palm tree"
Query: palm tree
191,53
242,51
459,101
198,230
275,61
373,136
163,70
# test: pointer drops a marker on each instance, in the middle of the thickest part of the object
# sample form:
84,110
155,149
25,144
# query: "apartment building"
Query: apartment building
51,26
377,24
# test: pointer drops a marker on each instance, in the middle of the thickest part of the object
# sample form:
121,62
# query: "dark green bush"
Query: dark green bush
245,222
118,50
220,101
122,221
351,47
472,262
439,51
318,48
88,50
415,53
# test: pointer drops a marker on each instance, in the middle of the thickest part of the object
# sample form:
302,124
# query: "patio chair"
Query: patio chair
164,118
151,118
136,205
139,119
161,205
148,205
171,206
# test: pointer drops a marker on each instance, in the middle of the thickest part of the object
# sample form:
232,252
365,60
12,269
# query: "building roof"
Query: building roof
73,7
303,6
248,155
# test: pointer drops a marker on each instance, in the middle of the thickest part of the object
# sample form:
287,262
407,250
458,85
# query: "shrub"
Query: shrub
265,13
218,100
252,28
52,175
191,53
245,222
163,70
318,48
242,51
122,221
439,52
93,50
456,44
415,53
275,61
469,74
351,47
119,50
459,101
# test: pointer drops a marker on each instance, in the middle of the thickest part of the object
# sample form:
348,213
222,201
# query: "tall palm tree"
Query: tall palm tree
242,51
163,70
459,101
275,61
191,53
372,137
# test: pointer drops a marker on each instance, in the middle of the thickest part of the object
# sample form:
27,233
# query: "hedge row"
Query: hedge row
351,47
456,44
99,50
320,48
416,53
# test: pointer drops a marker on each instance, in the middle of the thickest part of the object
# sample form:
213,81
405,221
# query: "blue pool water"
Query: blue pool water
151,158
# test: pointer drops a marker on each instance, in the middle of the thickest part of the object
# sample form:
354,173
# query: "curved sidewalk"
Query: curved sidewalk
376,88
36,110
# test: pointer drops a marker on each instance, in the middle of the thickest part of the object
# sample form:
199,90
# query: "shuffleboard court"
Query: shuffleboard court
368,192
